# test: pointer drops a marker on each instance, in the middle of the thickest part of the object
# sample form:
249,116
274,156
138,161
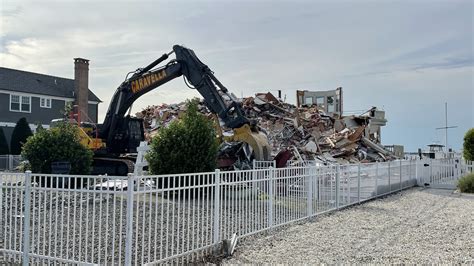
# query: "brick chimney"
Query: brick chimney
81,87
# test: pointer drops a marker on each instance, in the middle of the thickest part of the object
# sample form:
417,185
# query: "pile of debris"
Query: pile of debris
312,134
157,116
308,133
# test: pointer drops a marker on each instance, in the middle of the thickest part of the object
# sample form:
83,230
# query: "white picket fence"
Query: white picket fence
180,218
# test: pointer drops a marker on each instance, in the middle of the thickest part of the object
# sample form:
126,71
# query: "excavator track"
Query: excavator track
113,166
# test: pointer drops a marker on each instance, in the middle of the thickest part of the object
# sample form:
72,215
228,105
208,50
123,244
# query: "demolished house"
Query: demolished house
305,133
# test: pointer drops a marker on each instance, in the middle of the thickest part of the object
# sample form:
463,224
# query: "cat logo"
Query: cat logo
147,80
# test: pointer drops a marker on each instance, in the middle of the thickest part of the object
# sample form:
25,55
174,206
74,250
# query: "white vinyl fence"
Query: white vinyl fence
443,173
9,162
179,218
263,164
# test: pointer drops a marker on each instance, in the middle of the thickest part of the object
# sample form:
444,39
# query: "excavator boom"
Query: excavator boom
122,133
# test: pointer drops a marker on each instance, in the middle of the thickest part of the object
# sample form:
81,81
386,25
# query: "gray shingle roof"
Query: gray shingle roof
29,82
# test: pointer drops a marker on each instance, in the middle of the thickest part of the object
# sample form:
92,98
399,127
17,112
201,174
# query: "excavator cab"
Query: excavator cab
127,137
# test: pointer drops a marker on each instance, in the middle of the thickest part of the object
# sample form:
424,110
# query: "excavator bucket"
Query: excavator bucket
258,142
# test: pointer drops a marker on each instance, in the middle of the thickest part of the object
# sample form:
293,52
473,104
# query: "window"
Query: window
19,103
320,101
330,100
25,103
45,102
14,103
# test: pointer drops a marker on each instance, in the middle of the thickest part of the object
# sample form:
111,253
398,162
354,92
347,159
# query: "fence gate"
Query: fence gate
443,174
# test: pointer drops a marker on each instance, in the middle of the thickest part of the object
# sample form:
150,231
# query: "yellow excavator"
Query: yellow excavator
119,135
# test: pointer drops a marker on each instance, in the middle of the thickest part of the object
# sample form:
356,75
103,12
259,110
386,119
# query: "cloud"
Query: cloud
447,63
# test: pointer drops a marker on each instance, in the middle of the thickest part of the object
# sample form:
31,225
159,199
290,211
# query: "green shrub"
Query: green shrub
21,132
468,146
39,127
466,183
3,143
57,144
186,146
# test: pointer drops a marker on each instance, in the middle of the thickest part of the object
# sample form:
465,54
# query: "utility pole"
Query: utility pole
446,127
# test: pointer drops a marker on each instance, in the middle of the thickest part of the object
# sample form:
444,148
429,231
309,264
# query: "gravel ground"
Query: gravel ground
415,226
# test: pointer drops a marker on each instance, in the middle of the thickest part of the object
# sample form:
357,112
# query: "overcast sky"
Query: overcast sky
406,57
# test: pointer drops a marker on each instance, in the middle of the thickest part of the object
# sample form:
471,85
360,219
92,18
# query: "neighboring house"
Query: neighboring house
39,98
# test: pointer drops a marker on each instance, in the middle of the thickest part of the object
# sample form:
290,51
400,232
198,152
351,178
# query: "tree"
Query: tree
186,146
21,132
60,143
67,109
468,146
3,143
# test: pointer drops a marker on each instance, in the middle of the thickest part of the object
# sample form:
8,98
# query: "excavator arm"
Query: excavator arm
117,130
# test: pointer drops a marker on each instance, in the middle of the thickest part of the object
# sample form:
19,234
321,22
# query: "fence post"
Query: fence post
217,198
389,181
358,182
416,173
270,195
316,191
454,168
254,177
401,187
348,185
376,178
26,220
310,176
409,172
458,170
10,162
337,185
431,171
129,221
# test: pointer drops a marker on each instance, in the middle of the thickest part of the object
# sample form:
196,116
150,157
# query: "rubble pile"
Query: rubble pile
307,132
157,116
311,134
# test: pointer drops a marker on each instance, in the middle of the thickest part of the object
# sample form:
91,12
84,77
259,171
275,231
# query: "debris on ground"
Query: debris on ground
307,132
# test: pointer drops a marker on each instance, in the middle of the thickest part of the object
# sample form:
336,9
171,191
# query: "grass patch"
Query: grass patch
466,183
